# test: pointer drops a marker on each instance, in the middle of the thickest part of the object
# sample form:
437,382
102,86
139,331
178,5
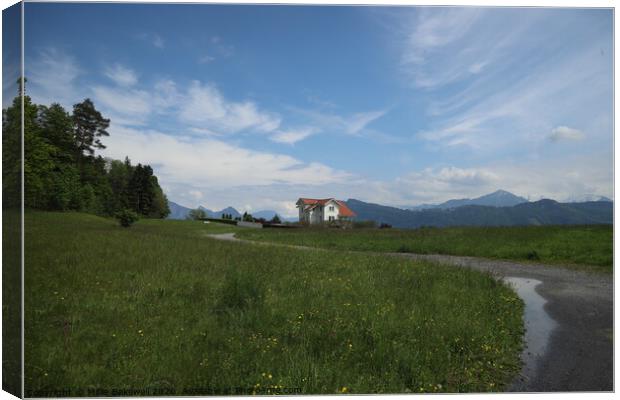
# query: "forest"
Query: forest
61,169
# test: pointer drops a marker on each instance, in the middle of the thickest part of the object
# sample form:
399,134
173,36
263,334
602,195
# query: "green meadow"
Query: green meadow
581,247
160,308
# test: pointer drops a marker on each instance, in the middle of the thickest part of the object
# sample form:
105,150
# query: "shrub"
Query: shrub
533,255
126,217
364,224
404,249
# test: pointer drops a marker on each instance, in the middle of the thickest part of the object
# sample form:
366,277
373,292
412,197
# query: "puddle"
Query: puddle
224,236
538,323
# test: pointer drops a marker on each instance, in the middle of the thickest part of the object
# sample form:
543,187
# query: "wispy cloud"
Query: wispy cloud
206,106
158,41
436,50
52,77
352,124
11,72
359,121
121,75
129,102
292,136
222,48
153,38
515,99
206,59
561,133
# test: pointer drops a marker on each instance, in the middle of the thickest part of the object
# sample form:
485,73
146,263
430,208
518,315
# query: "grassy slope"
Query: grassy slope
586,245
159,305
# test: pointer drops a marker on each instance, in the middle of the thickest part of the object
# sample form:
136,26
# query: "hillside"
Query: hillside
543,212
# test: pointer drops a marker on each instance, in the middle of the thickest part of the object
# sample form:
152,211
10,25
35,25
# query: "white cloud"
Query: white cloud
561,133
166,95
460,176
206,106
52,77
209,163
127,102
121,75
292,136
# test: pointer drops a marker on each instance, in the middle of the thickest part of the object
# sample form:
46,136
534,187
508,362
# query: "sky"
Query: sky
256,106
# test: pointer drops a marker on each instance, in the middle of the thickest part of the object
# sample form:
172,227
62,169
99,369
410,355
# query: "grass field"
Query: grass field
11,302
161,309
574,246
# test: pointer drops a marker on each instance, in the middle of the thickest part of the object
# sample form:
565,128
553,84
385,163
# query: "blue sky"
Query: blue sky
255,106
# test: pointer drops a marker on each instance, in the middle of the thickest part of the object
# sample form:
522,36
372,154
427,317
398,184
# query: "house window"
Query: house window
331,208
332,218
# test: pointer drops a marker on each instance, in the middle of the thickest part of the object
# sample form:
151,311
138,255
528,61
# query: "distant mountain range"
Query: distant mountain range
543,212
500,198
178,211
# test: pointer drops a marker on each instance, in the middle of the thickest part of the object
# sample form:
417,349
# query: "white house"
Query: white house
318,211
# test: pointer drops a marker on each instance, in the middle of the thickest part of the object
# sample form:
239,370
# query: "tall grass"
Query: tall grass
161,308
572,245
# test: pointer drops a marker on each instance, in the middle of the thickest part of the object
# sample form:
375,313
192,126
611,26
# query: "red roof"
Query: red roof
314,201
344,211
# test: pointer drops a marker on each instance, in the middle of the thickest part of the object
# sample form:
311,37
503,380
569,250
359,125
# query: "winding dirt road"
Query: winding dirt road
568,317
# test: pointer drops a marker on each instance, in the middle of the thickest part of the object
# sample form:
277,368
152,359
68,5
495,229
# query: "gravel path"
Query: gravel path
578,353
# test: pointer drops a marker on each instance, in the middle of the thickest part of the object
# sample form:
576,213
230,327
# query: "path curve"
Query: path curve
579,352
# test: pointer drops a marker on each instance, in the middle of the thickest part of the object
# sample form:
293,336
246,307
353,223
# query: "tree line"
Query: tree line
61,170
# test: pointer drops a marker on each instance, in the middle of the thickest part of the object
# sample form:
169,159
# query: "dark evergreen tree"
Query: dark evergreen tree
89,126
